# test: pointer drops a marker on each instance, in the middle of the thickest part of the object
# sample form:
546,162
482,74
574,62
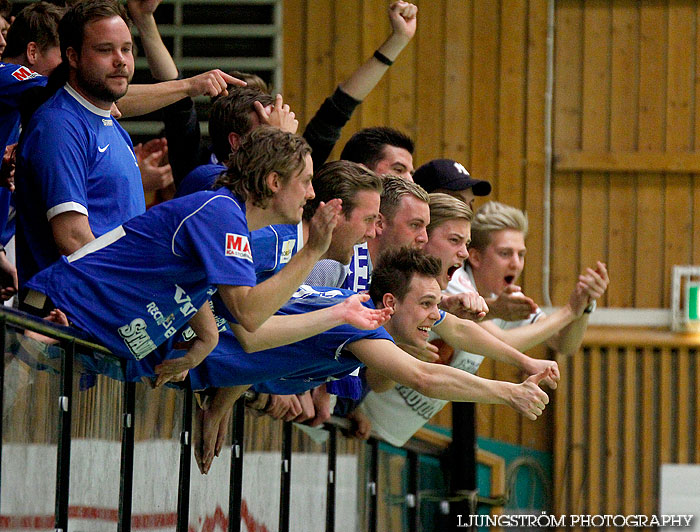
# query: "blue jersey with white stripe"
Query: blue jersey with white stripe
134,287
73,158
307,363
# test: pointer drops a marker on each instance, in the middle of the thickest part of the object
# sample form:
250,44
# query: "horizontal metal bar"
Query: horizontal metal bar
59,332
219,30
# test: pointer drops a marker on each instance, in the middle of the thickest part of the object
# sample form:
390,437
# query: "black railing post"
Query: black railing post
3,330
126,474
462,457
183,491
286,477
412,508
331,480
372,485
236,485
65,406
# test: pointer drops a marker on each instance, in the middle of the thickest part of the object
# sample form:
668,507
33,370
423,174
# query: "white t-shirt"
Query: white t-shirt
396,415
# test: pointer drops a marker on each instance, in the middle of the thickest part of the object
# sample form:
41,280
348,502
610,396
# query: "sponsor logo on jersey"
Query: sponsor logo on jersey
102,150
425,407
162,320
238,246
182,299
107,122
23,74
136,338
287,251
305,291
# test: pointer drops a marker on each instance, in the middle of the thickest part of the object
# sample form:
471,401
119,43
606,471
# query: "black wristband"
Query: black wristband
382,58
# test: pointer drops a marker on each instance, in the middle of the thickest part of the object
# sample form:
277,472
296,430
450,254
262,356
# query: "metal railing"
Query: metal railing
73,342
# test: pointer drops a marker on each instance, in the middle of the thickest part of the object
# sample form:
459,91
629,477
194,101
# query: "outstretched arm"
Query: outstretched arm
251,306
142,99
283,330
445,382
468,336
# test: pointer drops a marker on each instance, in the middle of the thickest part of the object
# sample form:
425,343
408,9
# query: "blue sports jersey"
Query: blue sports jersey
135,286
73,157
201,178
14,81
312,361
360,270
273,246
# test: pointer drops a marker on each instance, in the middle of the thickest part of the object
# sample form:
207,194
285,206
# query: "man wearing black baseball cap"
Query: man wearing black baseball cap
450,177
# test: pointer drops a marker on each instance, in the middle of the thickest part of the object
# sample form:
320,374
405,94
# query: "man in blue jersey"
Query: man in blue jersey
404,282
135,286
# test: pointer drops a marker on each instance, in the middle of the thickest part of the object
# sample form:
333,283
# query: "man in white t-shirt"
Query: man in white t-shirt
496,259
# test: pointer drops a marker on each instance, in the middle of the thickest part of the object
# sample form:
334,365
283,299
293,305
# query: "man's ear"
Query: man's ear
274,183
474,257
379,224
72,56
234,139
389,301
31,53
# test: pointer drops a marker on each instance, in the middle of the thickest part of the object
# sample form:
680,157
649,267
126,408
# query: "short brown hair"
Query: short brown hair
231,114
341,179
444,207
396,269
395,188
37,23
264,150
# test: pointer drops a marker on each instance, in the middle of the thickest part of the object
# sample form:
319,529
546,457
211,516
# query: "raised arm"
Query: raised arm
160,62
445,382
402,16
591,285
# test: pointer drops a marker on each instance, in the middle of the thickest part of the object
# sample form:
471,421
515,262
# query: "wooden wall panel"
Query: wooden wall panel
471,86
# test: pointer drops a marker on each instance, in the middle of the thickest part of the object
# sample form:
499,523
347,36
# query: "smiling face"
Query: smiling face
416,313
448,242
357,227
103,68
500,263
292,194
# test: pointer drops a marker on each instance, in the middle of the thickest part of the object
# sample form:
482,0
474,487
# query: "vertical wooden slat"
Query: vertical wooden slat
623,122
652,97
595,456
319,58
678,135
649,426
402,103
458,82
683,398
666,387
510,142
294,57
347,56
511,115
534,165
375,28
567,136
612,436
485,87
595,121
579,401
429,82
632,418
561,432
